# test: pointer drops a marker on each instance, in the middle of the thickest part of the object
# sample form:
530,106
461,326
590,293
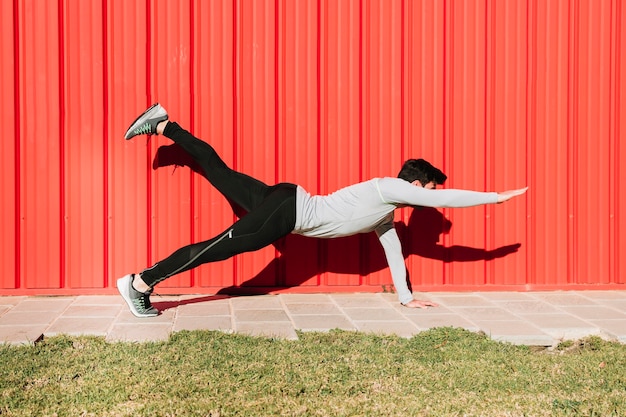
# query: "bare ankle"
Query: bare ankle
160,128
139,284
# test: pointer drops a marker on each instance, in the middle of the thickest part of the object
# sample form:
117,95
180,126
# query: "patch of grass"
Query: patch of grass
438,372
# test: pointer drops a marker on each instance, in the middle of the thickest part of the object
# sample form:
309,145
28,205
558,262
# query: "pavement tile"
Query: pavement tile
11,300
484,313
75,326
499,296
431,321
261,315
127,332
596,312
517,332
126,317
4,309
256,302
90,310
562,326
313,308
400,328
392,297
98,300
25,318
48,304
527,306
616,329
617,304
408,312
419,295
322,323
306,298
605,295
223,323
204,309
563,298
21,334
267,329
359,300
373,314
461,300
164,303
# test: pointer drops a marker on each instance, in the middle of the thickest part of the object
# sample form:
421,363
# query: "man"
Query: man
274,211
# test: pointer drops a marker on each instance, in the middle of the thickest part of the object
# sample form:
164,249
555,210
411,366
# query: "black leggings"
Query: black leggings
271,212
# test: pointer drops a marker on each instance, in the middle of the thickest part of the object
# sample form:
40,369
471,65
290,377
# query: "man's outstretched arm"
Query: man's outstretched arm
403,193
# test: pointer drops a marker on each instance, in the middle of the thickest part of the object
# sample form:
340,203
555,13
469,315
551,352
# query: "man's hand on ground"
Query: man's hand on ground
421,304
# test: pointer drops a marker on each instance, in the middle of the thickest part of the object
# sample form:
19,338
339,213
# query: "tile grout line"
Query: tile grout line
233,321
401,312
56,318
288,313
115,320
174,317
343,312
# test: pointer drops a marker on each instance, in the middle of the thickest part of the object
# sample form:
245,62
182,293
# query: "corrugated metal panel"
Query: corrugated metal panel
213,116
323,93
9,148
41,142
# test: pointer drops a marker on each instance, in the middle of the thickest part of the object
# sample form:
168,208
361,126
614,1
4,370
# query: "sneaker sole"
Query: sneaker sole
122,287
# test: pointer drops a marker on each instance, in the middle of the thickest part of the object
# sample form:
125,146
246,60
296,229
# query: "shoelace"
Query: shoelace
143,129
143,302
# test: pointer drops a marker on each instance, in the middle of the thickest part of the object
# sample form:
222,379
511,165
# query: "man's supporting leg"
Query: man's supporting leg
273,219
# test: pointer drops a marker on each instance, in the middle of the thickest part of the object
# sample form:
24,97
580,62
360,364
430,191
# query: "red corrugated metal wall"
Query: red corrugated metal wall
500,94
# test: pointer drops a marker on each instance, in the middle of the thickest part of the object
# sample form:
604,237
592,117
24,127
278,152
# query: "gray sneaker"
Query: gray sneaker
147,122
138,302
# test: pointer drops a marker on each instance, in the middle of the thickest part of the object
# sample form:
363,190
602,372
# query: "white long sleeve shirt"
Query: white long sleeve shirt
368,207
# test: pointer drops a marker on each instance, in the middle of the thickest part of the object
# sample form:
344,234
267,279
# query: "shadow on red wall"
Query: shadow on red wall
419,237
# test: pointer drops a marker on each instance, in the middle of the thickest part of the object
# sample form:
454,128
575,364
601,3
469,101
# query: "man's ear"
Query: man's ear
417,182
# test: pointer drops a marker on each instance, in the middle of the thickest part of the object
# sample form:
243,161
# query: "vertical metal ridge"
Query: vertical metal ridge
620,265
321,259
192,126
361,84
489,133
279,279
105,134
318,75
572,138
62,185
363,135
236,80
402,85
446,119
17,150
407,122
277,81
614,146
531,132
149,195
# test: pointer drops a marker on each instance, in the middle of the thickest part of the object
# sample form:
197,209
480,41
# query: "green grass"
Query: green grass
439,372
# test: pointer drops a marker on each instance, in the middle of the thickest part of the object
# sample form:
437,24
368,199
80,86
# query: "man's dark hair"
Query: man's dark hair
421,170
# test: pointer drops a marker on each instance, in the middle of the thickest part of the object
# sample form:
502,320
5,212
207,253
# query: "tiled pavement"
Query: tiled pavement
529,318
